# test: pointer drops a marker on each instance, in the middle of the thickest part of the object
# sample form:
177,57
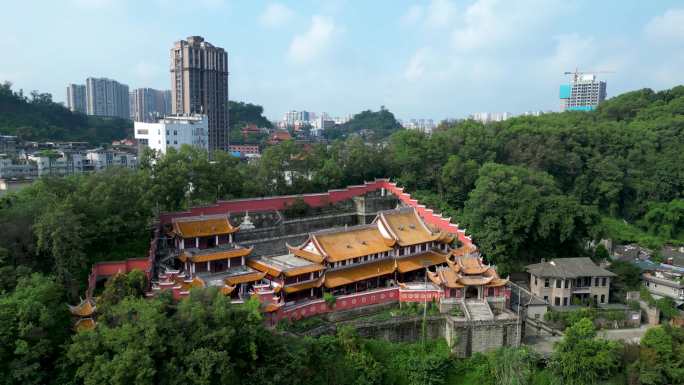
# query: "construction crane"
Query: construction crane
578,73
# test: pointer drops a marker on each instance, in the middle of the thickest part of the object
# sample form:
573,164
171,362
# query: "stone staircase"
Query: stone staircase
478,310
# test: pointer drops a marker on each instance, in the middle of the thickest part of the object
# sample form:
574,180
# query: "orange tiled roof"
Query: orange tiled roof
474,281
249,277
84,324
84,309
203,226
471,265
359,273
418,261
445,277
353,242
226,289
408,227
215,255
275,268
303,286
313,257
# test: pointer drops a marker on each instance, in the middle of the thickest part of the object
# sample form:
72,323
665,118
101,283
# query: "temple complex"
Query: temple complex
364,245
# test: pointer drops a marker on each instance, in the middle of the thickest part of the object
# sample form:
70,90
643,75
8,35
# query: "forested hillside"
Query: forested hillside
39,118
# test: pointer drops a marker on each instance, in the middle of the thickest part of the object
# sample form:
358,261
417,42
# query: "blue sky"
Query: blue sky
421,59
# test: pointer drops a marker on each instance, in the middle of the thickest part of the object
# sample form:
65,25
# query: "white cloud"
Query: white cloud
276,15
669,26
415,69
440,13
307,46
413,15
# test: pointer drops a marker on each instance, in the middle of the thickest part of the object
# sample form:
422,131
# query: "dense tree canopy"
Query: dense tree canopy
39,118
374,125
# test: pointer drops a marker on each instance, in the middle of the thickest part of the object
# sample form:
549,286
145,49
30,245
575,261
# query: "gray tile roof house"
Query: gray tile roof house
564,281
568,268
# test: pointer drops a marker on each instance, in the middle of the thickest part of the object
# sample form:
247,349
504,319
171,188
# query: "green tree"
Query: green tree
59,233
518,215
34,323
582,359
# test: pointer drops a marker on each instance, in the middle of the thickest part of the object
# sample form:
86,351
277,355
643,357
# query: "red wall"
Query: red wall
323,199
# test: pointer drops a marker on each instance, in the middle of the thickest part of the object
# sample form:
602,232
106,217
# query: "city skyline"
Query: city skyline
437,59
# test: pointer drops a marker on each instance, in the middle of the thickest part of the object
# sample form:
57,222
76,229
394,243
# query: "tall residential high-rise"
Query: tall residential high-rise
76,97
199,85
148,104
106,97
583,93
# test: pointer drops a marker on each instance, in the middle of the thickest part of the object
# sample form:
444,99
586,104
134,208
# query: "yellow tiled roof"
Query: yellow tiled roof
352,243
418,261
355,274
203,226
216,255
249,277
408,227
303,286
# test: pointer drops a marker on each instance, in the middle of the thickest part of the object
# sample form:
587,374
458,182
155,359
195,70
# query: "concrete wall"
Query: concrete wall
481,336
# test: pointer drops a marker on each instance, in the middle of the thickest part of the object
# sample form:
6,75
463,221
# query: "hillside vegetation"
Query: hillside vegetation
39,118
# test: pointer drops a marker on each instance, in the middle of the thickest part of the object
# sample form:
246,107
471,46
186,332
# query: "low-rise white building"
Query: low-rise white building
173,132
665,283
100,159
58,164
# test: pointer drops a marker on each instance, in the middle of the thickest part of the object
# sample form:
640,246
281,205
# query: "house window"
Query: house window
536,316
603,281
558,283
567,283
565,301
546,298
546,282
535,281
556,301
596,281
603,298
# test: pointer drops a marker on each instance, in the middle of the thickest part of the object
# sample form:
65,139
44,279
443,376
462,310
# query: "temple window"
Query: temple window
490,292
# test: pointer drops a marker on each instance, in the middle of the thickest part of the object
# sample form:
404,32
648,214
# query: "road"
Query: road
543,344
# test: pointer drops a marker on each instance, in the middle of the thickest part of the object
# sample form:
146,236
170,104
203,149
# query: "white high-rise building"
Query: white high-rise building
76,98
106,97
488,117
173,132
584,93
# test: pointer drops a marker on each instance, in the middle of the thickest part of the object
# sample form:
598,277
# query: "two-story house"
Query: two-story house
564,281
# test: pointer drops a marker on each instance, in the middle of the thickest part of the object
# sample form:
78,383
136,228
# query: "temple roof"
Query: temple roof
415,262
84,309
288,265
293,288
232,276
469,264
407,227
308,255
84,324
445,277
455,276
352,242
358,273
214,254
203,226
